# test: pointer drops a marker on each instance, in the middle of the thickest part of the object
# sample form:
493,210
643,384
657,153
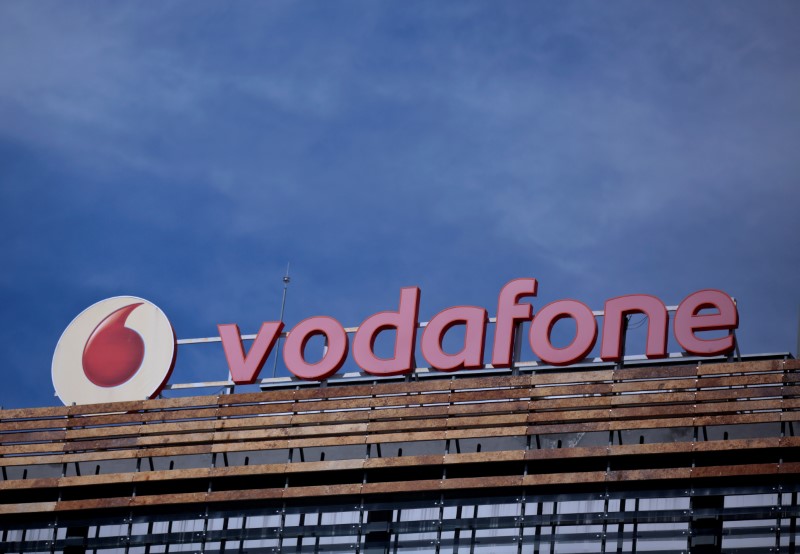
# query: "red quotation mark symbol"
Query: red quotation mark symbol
113,353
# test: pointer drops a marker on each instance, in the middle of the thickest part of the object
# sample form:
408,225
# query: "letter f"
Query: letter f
509,312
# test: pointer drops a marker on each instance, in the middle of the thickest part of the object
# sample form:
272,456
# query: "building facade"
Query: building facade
668,457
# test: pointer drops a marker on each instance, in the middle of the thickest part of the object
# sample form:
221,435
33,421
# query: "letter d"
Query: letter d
404,321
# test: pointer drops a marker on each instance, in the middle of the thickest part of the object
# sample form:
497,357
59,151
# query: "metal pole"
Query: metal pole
286,281
797,352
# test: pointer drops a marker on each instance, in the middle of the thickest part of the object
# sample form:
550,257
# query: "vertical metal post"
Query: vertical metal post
286,281
523,500
537,536
53,525
516,356
603,542
635,534
625,321
282,521
793,526
736,350
128,532
224,542
170,528
620,525
149,532
778,517
473,528
317,536
457,531
440,520
521,526
797,352
241,534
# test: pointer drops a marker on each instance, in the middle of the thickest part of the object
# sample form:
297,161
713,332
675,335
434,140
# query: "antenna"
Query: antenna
286,281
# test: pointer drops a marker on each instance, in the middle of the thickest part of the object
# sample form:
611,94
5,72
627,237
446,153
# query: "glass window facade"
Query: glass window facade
755,519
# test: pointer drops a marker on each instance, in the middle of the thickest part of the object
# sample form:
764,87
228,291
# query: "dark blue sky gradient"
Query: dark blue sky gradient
185,151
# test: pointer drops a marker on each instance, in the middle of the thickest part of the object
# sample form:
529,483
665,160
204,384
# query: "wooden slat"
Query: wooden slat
739,380
408,413
650,423
655,412
571,403
10,426
741,367
567,376
655,385
34,413
509,381
519,406
654,372
35,436
728,394
560,390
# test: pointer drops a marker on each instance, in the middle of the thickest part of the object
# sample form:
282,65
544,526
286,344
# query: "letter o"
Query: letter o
585,332
295,345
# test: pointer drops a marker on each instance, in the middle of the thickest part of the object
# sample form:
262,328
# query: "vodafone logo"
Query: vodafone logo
121,348
124,348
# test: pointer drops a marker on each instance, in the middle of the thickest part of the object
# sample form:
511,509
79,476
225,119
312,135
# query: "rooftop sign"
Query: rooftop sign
121,348
117,346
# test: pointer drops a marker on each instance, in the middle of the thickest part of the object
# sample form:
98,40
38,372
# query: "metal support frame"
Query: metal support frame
518,366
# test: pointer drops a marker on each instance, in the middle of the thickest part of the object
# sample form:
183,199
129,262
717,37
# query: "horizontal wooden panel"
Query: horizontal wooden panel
562,390
567,376
744,367
193,425
410,461
466,483
654,372
655,385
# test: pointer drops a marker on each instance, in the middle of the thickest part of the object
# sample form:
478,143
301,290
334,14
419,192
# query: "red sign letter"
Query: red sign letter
405,322
245,370
509,312
471,355
295,345
688,321
616,308
585,332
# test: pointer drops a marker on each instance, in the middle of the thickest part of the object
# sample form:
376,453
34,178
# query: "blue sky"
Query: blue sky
185,151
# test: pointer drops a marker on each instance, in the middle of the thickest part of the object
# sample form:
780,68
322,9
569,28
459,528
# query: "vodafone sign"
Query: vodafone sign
121,348
124,348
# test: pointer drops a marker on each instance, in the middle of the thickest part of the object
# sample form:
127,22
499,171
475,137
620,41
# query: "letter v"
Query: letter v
245,369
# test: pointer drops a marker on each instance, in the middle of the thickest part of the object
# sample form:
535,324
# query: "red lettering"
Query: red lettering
295,345
613,331
509,313
585,332
471,355
688,321
512,312
404,321
245,369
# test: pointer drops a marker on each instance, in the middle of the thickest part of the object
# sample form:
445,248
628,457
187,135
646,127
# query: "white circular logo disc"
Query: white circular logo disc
120,349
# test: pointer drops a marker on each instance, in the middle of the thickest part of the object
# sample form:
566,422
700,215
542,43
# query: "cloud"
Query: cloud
189,150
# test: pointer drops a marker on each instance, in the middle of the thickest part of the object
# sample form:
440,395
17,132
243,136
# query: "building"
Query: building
682,455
